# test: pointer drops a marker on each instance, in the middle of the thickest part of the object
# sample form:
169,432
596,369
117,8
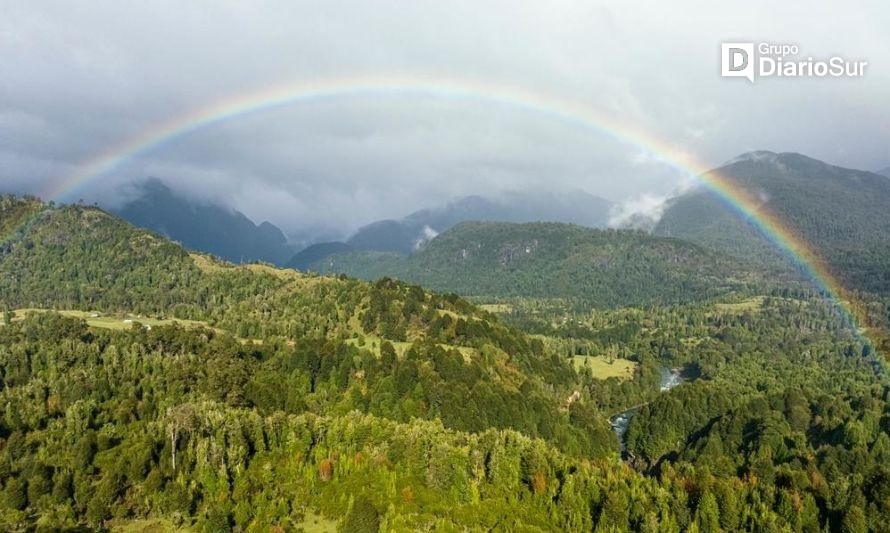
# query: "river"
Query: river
670,378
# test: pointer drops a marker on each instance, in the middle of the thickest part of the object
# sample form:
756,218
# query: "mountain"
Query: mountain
396,236
404,236
550,260
85,261
884,172
840,212
315,253
180,376
204,227
148,388
571,207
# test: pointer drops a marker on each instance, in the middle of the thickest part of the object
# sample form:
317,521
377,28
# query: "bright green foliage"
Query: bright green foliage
96,417
362,517
319,401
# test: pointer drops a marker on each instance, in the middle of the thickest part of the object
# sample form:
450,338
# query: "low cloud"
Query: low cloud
426,235
645,210
641,212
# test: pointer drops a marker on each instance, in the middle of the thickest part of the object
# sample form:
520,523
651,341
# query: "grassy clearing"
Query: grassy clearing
751,304
692,341
159,525
497,308
604,368
315,523
286,274
372,343
208,264
112,321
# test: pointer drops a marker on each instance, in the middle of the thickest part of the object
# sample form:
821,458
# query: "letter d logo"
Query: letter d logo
737,60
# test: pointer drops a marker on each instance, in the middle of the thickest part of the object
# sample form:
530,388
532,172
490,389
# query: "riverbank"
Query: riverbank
670,378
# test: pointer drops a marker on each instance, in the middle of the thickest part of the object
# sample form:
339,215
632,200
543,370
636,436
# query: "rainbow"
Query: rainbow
566,110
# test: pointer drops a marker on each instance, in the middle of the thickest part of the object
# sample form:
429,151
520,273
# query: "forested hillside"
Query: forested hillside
405,235
192,394
841,212
83,258
594,268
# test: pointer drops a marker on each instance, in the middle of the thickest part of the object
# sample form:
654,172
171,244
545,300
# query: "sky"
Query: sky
79,78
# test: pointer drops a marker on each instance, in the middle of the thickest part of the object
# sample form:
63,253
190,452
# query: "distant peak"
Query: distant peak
756,155
153,184
783,160
148,189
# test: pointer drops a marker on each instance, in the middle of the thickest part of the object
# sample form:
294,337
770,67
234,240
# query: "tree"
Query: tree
362,517
16,495
326,469
854,520
539,482
180,419
708,514
388,357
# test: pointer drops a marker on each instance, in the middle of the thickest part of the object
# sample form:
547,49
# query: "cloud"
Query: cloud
643,211
426,235
79,78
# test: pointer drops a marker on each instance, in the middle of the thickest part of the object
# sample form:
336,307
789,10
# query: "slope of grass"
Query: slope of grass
116,321
604,368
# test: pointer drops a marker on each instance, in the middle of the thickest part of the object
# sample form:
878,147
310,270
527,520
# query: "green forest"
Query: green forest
594,268
189,394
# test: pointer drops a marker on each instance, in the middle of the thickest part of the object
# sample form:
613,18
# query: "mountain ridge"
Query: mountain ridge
601,267
839,212
147,386
204,226
404,236
85,259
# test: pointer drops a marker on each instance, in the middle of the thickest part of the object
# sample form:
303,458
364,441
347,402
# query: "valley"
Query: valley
382,402
670,378
444,267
